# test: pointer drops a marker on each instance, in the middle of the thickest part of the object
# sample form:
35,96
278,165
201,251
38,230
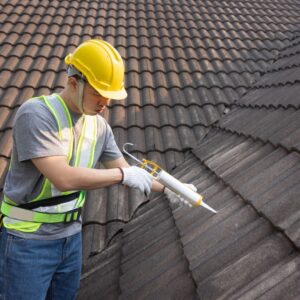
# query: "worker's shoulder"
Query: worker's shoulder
33,105
32,108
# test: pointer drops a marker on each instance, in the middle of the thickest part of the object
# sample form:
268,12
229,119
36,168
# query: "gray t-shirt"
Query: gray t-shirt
35,134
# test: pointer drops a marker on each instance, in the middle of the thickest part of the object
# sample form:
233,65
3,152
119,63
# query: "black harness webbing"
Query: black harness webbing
50,201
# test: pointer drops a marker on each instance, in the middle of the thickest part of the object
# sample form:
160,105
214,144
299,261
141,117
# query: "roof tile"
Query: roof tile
159,223
270,252
6,138
275,286
277,126
6,122
4,163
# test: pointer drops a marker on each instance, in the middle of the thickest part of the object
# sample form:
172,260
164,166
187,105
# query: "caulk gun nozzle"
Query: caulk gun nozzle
208,207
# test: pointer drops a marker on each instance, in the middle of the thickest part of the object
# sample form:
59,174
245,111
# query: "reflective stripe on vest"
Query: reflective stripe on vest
84,157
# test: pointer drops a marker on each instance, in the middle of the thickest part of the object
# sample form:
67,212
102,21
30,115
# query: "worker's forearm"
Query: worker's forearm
157,187
87,179
76,178
67,178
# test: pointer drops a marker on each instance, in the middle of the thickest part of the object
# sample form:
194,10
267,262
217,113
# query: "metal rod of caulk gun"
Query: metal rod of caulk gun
134,158
130,155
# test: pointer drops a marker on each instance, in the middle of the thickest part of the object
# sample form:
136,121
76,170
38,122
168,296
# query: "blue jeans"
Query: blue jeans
39,269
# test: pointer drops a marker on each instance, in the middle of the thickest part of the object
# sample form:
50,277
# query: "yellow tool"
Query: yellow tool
169,181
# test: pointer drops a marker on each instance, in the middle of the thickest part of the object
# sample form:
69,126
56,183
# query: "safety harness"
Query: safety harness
51,205
25,212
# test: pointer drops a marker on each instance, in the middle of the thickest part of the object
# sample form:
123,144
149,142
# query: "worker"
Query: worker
57,141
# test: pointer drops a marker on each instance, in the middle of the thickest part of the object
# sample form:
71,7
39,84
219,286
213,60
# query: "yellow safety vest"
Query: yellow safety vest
26,220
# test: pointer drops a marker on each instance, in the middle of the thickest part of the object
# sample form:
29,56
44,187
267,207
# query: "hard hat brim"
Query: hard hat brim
114,95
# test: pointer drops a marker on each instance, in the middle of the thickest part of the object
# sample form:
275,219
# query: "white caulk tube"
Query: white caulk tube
169,181
181,189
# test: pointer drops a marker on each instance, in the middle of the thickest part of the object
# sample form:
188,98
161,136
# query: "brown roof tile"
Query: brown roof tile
6,115
4,163
6,138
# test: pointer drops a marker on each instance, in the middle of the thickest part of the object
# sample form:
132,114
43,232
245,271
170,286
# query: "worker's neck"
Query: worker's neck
70,102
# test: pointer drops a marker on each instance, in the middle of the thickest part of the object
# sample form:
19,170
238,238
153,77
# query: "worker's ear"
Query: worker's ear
72,82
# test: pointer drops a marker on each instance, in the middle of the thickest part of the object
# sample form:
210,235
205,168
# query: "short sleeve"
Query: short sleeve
111,150
35,132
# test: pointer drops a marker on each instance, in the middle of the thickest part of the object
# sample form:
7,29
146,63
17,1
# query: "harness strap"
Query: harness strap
22,214
50,201
25,213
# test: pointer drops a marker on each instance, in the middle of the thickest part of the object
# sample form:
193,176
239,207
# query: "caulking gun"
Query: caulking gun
169,181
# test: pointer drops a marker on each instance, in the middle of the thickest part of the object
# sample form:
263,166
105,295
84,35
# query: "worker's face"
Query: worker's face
93,102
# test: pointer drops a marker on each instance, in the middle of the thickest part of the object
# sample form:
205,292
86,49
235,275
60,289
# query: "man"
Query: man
57,140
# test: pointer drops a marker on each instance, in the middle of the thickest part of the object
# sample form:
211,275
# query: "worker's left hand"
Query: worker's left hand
174,198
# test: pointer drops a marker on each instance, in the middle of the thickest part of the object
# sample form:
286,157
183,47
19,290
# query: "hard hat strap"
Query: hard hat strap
81,83
72,71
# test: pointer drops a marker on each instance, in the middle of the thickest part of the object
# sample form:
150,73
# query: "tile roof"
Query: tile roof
254,183
221,248
188,65
265,175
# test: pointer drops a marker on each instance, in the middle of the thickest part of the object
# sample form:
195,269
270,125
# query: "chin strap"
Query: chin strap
81,81
80,95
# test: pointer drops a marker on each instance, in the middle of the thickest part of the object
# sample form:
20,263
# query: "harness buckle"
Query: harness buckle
73,215
1,220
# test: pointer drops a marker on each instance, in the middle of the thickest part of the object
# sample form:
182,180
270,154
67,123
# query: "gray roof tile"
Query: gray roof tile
227,250
142,250
217,247
102,274
279,282
265,176
268,253
278,126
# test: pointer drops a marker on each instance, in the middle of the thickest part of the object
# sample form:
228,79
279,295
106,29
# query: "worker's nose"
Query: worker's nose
104,101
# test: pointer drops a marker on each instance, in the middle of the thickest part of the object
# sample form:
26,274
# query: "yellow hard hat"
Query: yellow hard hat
102,65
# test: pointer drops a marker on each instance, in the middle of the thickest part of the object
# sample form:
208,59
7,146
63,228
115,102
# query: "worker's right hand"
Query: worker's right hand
137,178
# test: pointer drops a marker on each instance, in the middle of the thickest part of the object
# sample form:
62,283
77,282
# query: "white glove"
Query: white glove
174,198
137,178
